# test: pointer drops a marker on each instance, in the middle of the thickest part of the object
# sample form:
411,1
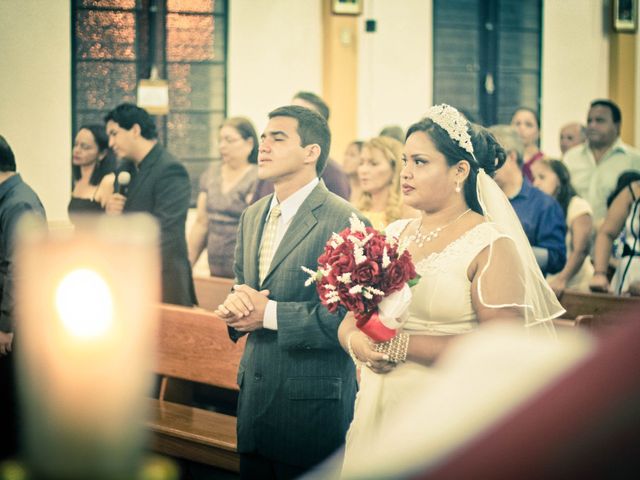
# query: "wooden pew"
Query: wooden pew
596,310
582,303
212,291
193,345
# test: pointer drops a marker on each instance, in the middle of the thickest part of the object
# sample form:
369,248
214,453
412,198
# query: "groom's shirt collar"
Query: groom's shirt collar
291,205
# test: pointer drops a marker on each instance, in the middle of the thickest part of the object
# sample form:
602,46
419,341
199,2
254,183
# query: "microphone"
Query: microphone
122,181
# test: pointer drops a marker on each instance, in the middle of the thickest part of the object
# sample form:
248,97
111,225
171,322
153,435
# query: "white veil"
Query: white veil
540,304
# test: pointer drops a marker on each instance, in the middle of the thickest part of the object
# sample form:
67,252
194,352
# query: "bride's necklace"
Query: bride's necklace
419,237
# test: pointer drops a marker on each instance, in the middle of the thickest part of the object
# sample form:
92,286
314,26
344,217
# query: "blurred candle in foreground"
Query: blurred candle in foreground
85,305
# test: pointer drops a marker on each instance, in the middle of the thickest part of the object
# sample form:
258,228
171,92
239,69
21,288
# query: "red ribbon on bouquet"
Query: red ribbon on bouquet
374,328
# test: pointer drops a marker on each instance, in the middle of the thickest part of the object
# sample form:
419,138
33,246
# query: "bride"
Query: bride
471,252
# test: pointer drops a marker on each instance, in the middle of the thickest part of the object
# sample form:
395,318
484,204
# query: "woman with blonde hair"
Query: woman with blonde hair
379,176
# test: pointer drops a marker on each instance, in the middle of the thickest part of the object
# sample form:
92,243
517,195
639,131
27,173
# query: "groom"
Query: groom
297,385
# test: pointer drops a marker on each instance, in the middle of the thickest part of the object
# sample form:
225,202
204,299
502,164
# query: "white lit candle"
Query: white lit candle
86,315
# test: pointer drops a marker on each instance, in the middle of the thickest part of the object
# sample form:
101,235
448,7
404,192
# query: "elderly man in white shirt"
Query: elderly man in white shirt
596,165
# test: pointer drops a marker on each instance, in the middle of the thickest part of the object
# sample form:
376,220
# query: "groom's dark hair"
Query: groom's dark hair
7,158
312,128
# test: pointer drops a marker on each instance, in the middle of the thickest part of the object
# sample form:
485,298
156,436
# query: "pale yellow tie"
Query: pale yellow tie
268,242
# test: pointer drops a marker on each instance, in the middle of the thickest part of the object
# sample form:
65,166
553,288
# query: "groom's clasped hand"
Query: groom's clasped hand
244,308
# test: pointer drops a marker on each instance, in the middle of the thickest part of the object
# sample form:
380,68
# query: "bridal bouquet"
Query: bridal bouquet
368,273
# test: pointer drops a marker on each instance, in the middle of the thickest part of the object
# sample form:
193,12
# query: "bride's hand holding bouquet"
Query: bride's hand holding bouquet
369,274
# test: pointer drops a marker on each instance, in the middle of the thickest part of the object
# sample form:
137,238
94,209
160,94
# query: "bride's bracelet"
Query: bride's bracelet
350,349
396,348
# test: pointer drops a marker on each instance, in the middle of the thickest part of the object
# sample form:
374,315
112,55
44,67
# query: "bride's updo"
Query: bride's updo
457,139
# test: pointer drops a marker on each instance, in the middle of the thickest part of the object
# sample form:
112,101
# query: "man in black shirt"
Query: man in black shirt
159,186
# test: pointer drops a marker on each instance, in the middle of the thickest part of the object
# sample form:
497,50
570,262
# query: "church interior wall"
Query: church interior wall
270,57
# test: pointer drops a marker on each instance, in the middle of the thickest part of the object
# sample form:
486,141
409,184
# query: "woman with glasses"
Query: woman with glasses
226,189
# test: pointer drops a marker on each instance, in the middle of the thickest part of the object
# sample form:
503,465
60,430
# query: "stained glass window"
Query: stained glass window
116,42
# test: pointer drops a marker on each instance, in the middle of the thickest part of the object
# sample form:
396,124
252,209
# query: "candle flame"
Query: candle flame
85,303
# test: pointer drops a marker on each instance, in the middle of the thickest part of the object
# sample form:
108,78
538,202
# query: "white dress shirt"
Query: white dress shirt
288,208
595,181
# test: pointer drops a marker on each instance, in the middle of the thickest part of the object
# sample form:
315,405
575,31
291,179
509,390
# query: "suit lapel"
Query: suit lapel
301,224
251,276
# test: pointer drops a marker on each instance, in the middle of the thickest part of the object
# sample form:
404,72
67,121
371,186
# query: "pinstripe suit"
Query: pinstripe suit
297,385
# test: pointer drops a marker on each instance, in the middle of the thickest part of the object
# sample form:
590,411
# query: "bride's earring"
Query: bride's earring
458,189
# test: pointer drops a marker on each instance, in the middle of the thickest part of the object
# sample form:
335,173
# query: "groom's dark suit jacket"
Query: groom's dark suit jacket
297,385
162,188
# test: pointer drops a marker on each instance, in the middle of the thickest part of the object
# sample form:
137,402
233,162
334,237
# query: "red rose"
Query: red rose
409,267
354,302
342,259
375,247
366,273
395,277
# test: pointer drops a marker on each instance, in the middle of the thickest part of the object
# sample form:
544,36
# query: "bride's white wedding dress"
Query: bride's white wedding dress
440,305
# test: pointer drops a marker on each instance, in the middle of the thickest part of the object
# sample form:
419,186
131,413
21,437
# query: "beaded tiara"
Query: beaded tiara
452,122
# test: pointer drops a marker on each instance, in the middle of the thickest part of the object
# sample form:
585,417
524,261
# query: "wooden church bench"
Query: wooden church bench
193,345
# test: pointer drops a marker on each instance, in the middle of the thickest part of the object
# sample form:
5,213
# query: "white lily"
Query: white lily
336,240
386,261
345,278
358,254
357,225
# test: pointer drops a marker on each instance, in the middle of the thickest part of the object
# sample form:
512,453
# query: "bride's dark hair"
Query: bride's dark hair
488,153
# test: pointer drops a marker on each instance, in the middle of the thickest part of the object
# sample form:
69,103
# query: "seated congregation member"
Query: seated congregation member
527,124
91,161
333,176
159,186
16,199
479,268
350,164
379,177
297,386
553,178
596,165
541,216
572,135
623,215
226,189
